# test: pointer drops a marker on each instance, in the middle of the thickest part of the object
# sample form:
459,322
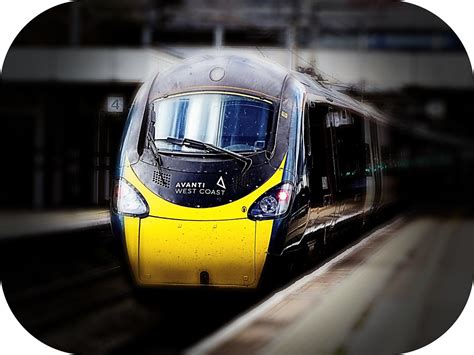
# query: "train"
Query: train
229,164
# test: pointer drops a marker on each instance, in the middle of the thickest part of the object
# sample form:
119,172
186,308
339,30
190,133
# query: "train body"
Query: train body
230,162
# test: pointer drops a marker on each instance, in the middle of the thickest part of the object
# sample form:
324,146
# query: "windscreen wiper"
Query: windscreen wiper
192,143
154,148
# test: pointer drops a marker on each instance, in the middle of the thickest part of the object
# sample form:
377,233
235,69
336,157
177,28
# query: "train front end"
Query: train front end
202,175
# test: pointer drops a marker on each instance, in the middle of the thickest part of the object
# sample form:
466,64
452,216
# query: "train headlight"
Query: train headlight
273,203
268,204
126,200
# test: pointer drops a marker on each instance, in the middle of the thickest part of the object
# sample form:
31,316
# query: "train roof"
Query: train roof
263,77
221,71
256,75
253,74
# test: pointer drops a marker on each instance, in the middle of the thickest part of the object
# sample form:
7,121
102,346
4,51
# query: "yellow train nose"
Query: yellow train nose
177,252
216,246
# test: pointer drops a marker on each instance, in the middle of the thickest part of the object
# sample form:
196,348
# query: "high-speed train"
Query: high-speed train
228,164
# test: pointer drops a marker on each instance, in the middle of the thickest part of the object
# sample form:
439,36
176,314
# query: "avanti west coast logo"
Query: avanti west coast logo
200,188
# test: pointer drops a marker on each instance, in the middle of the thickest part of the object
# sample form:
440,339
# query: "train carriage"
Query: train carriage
229,163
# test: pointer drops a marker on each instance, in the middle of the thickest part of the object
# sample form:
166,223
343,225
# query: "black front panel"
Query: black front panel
202,182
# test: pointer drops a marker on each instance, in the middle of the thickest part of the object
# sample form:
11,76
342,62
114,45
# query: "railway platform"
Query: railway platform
396,290
19,224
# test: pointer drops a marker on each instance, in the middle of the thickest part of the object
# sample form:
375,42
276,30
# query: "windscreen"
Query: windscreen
231,121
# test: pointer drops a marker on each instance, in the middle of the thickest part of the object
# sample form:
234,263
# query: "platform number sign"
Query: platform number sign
115,104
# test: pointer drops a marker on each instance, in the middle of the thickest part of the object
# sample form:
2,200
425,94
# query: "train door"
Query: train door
300,209
322,172
350,153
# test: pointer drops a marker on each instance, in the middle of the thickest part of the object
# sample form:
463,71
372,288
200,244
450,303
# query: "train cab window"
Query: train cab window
235,122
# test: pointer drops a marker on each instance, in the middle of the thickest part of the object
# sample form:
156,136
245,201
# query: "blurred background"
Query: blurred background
71,74
68,82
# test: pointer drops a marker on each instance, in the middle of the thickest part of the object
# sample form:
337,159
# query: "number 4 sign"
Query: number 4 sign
115,104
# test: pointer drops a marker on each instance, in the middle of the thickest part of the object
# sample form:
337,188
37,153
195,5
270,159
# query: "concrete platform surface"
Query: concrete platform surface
17,224
396,290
